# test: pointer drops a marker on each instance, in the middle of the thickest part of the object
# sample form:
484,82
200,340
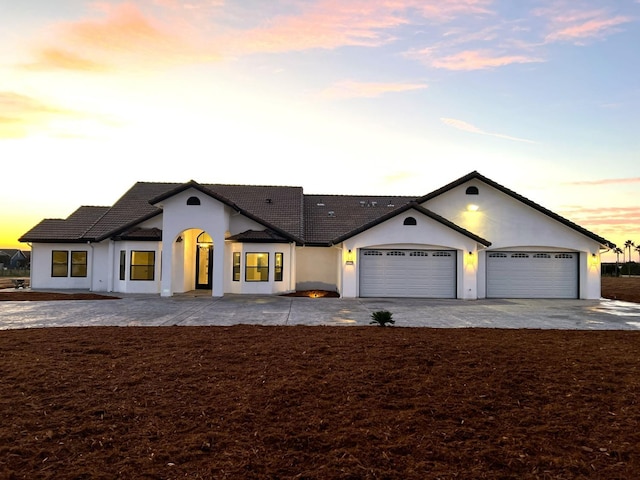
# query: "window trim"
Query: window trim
248,266
54,264
123,265
236,266
278,270
74,264
133,265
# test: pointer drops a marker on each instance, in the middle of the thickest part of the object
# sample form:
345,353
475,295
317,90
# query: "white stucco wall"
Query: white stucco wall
317,268
41,261
135,286
511,225
287,284
427,234
101,280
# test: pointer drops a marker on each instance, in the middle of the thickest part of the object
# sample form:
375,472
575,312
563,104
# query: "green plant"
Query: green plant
382,317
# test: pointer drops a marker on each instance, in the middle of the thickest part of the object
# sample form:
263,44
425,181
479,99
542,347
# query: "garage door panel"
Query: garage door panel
532,274
407,273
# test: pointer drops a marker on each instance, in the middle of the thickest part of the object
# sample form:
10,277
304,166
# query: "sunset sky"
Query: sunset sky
337,96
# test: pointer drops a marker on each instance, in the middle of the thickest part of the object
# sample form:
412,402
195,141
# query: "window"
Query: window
236,266
79,264
123,264
472,191
256,267
193,201
59,263
277,270
410,221
142,265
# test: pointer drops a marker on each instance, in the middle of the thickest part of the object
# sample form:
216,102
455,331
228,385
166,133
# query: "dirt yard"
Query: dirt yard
621,288
250,402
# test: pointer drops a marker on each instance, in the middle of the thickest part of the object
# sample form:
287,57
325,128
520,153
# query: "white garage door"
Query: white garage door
532,275
408,273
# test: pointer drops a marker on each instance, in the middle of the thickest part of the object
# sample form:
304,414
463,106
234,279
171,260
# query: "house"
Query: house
472,238
12,258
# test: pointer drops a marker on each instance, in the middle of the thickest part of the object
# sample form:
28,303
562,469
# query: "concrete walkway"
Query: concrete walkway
145,310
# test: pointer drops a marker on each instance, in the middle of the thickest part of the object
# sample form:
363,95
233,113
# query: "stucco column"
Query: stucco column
166,289
217,289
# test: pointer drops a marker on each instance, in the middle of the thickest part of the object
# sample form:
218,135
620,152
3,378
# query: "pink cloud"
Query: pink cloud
475,60
122,34
331,24
573,25
607,181
353,89
598,27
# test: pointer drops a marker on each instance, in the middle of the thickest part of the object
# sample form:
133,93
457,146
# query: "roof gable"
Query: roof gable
530,203
412,205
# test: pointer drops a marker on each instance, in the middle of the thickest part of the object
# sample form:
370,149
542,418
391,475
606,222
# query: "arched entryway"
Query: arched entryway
204,262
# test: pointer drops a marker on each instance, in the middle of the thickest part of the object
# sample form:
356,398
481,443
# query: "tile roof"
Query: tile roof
71,229
284,211
330,216
259,236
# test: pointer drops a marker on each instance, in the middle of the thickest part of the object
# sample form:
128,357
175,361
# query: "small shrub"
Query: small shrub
382,317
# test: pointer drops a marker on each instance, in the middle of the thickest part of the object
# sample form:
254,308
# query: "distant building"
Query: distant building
13,258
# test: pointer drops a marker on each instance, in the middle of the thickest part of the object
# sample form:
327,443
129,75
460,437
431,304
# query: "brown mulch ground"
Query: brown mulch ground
28,295
251,402
621,288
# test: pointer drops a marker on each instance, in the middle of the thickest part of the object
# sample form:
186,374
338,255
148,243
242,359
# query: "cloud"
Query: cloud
606,181
353,89
122,36
467,127
577,26
23,115
476,60
330,24
56,58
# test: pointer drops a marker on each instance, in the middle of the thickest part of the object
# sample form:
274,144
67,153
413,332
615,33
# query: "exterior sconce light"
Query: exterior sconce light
470,253
472,207
349,258
179,239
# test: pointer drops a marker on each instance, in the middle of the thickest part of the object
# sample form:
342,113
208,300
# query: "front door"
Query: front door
204,267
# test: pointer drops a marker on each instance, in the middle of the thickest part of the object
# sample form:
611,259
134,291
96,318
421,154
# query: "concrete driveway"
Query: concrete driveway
144,310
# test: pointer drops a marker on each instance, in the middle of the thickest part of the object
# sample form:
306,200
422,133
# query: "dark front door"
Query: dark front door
204,267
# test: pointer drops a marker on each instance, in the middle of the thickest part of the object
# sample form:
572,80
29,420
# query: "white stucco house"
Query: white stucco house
470,239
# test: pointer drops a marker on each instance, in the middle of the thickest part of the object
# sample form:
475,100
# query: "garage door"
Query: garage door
408,273
532,275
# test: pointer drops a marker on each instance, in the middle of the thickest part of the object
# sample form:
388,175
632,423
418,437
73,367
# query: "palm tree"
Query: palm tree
618,251
628,245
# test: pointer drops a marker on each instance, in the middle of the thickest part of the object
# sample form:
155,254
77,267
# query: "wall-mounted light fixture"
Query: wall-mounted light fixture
472,207
470,253
349,260
179,239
